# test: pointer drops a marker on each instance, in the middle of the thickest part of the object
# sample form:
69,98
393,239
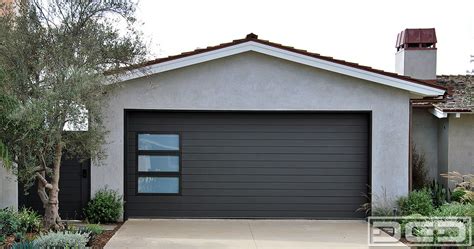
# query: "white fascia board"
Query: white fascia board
412,87
438,113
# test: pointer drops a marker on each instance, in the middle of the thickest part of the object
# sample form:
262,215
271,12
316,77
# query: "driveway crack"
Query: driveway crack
251,233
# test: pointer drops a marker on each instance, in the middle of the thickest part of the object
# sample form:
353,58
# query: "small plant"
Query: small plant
24,245
420,172
9,222
377,205
105,207
463,182
417,202
63,239
94,229
30,220
439,193
458,195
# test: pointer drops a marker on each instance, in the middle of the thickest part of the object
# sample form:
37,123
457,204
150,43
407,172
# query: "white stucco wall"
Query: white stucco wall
416,63
425,138
252,81
8,188
461,144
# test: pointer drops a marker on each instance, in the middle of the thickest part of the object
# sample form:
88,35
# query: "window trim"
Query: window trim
178,153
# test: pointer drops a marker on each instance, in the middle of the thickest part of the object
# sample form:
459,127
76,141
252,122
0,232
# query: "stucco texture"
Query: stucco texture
461,144
425,138
252,81
8,188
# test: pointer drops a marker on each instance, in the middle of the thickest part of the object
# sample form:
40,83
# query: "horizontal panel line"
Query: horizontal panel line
269,167
237,203
268,153
253,160
278,189
269,175
247,210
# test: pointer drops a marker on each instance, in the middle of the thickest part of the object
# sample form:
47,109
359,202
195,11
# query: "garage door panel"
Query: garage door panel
250,214
271,192
269,135
149,118
271,185
271,143
275,150
271,178
275,171
281,165
275,164
250,128
277,157
243,207
211,200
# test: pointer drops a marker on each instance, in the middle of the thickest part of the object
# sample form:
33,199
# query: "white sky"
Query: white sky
361,31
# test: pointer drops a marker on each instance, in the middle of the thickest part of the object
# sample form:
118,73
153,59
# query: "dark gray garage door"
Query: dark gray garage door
254,164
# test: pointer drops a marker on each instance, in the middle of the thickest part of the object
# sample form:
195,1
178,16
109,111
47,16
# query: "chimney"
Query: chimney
416,53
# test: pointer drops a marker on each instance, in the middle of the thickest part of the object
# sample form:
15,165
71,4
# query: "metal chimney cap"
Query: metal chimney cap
416,38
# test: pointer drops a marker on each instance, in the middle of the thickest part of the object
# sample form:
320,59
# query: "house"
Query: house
252,128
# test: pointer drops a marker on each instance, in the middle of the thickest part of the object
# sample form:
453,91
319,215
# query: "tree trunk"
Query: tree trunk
51,218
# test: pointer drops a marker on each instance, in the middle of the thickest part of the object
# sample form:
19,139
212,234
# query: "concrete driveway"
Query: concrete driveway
230,234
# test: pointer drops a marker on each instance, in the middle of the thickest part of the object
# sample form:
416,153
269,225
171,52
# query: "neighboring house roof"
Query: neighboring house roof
460,93
458,98
252,43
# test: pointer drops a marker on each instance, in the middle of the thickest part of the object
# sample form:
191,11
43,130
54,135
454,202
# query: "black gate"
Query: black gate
74,190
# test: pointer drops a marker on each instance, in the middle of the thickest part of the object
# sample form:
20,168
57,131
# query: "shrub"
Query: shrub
9,222
439,194
94,229
455,210
105,207
30,220
64,239
420,172
417,202
23,245
458,194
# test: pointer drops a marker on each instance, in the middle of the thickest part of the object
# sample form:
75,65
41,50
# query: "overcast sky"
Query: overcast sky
361,31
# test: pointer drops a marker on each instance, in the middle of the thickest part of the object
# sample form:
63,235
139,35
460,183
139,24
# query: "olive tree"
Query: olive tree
53,59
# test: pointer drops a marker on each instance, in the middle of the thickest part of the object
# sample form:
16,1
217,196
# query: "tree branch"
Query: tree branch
43,196
43,181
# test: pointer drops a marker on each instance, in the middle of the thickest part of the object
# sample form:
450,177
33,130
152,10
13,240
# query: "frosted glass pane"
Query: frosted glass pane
158,163
158,185
158,142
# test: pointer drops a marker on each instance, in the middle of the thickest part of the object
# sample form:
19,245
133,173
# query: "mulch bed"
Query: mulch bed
100,240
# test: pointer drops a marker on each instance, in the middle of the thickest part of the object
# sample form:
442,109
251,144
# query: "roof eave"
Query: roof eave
413,86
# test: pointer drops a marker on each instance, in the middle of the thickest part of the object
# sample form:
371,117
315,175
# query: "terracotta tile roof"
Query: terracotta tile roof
254,38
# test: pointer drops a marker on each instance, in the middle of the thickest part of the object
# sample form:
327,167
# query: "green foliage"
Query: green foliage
19,223
30,220
53,64
24,245
105,207
63,239
458,195
417,202
94,229
455,210
9,222
420,172
439,194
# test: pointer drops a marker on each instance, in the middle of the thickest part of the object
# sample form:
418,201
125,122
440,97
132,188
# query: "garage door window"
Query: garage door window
158,164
